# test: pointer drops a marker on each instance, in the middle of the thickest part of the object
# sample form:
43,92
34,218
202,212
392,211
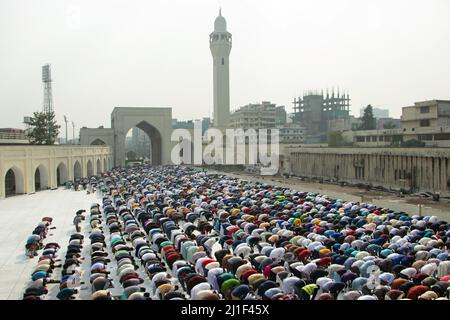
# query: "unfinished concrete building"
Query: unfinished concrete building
314,111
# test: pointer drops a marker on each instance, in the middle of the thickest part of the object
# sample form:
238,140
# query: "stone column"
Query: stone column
447,171
70,163
2,177
52,183
443,180
429,170
422,172
28,173
119,151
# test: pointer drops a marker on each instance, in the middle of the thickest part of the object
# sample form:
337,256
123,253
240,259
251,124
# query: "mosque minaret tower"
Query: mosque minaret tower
220,45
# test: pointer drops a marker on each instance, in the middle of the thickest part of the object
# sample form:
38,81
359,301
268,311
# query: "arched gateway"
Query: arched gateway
155,122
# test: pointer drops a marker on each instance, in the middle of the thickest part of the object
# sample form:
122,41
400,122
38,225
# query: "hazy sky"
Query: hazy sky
107,53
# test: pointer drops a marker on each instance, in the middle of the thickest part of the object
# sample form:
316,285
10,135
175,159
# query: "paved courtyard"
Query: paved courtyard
20,215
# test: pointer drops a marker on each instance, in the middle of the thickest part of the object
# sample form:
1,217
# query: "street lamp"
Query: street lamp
73,132
65,120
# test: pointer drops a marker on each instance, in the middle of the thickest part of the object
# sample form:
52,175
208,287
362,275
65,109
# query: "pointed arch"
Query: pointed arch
77,173
14,181
98,142
155,141
99,167
40,178
90,168
61,174
155,147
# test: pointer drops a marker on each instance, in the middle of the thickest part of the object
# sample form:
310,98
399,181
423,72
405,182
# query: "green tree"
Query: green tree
368,120
44,129
335,139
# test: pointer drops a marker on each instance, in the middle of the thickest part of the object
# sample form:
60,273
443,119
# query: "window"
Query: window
425,123
425,137
442,136
223,61
425,109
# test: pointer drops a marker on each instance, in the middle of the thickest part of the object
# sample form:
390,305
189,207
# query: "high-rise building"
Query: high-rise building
262,115
220,43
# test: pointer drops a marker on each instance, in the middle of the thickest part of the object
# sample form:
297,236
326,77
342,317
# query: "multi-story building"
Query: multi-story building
189,124
258,116
426,114
291,133
280,116
314,111
13,136
387,137
427,121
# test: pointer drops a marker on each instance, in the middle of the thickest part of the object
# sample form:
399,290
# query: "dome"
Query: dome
220,25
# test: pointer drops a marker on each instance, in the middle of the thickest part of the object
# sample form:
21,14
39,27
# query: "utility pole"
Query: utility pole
73,131
65,120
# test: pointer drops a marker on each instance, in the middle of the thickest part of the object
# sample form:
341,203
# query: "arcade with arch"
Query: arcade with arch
27,169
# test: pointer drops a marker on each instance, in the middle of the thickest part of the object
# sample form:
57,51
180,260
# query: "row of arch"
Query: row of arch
15,180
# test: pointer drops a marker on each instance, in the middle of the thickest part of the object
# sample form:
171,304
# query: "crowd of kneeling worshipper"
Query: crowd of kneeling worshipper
35,240
198,236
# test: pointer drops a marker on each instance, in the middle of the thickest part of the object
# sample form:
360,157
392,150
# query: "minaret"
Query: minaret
220,45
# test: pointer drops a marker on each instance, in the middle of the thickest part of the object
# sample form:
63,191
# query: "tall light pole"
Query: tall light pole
48,100
73,132
65,120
